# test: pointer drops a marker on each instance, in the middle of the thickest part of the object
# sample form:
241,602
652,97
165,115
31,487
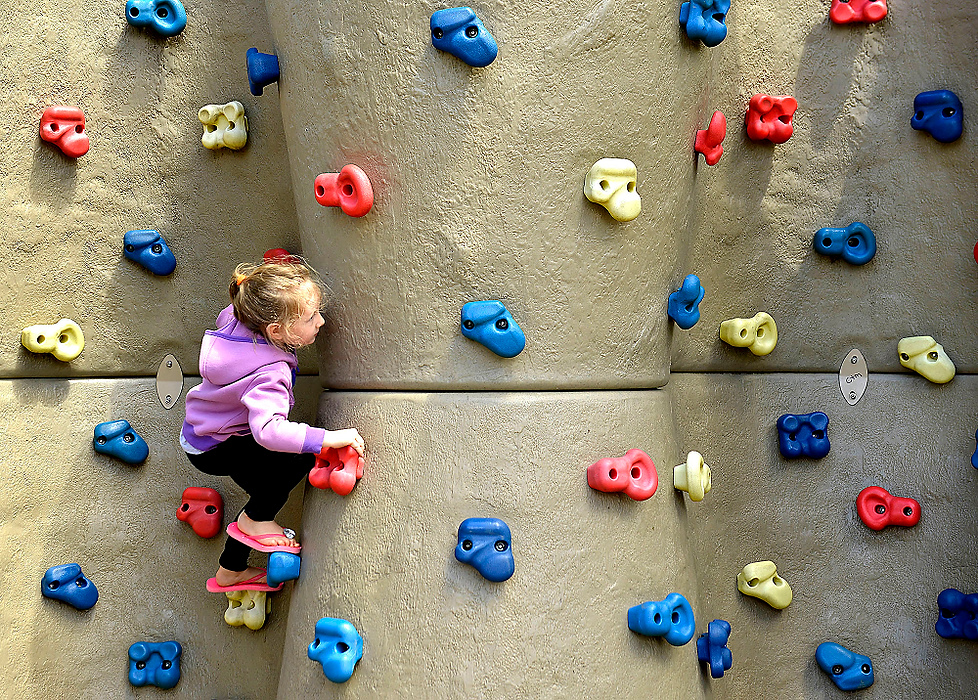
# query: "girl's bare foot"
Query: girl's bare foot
226,577
265,527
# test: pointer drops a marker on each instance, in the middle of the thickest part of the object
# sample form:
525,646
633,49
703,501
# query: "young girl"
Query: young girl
237,418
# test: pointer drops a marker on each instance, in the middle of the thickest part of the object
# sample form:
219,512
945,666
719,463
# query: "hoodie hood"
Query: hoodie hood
233,351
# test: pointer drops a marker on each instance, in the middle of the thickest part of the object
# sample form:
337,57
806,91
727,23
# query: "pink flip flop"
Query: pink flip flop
251,584
256,542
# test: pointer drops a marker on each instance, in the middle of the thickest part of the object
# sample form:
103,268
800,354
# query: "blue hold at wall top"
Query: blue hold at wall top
165,17
458,31
940,114
855,243
491,324
68,584
684,304
705,20
148,248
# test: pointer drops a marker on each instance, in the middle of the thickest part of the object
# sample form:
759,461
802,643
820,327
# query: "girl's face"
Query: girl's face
305,328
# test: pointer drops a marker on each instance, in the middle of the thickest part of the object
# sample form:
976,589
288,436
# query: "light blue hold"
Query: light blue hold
684,304
489,323
337,646
282,567
165,17
705,20
671,619
458,31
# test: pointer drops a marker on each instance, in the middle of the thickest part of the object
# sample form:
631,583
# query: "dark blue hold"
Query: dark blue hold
711,648
262,70
68,584
487,545
939,113
974,456
684,305
117,438
458,31
148,248
337,646
155,663
855,243
671,618
705,20
804,435
958,612
848,670
489,323
165,17
282,567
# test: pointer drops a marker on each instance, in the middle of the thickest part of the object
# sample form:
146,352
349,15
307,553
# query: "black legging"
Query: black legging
267,477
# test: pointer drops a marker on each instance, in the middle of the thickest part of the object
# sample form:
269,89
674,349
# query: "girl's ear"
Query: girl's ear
274,331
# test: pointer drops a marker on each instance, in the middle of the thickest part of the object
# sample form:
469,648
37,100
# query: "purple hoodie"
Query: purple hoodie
246,389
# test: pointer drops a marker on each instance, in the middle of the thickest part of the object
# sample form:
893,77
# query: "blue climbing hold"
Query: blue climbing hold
958,612
148,248
804,435
849,671
165,17
940,114
68,584
705,20
155,663
711,648
461,33
855,243
489,323
974,456
671,618
282,567
684,305
118,439
487,545
338,646
262,70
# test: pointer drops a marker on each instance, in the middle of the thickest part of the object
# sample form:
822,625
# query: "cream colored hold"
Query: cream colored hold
225,126
248,608
759,333
63,339
694,477
760,580
611,182
926,357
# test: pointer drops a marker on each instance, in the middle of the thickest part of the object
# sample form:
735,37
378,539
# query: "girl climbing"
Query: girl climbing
237,417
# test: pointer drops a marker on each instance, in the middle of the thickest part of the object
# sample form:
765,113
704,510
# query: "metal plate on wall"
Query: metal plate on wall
169,382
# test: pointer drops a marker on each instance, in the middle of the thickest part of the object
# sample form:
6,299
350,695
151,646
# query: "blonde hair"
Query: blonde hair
273,291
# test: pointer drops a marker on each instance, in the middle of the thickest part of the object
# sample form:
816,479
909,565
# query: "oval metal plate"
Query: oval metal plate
853,377
169,382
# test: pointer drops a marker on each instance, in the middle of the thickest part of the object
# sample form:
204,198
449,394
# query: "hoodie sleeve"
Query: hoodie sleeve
268,403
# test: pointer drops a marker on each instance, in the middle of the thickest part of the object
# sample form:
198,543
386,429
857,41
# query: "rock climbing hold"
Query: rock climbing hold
877,508
155,663
225,126
709,142
926,357
760,580
262,70
848,670
486,545
705,20
68,584
63,339
634,474
770,117
611,182
684,304
118,439
203,509
940,114
458,31
958,617
337,646
711,648
165,17
248,608
759,334
855,243
803,435
849,11
337,469
349,189
282,567
489,323
694,476
148,248
670,618
65,127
